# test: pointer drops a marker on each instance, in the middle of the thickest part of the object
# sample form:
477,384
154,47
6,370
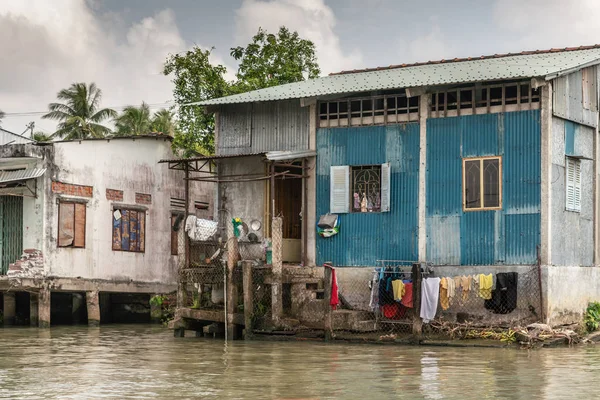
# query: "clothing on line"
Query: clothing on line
430,292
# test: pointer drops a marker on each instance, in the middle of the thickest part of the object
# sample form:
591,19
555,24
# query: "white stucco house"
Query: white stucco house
89,217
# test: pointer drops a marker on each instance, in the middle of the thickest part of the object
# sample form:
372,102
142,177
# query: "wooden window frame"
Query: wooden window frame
142,235
75,203
481,183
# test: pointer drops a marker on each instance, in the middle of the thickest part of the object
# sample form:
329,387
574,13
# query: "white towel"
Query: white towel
430,294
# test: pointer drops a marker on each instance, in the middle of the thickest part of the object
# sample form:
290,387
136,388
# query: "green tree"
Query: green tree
133,121
79,113
195,79
271,59
274,59
163,122
42,137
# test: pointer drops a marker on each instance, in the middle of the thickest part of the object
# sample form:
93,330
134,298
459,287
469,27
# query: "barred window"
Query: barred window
482,183
360,189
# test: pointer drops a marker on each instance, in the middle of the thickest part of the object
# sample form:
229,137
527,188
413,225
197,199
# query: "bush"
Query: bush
592,317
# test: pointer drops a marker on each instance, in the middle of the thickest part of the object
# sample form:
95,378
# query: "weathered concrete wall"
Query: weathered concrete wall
572,239
569,290
131,166
245,200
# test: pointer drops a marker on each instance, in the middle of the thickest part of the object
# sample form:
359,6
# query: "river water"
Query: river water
146,362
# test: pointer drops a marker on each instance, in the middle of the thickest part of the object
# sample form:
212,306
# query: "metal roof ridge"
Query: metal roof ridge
464,59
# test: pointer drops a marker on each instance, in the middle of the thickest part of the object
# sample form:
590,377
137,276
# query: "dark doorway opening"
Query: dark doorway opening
288,205
68,308
124,308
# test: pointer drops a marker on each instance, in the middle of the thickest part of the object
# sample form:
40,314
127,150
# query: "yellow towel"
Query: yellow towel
399,289
485,286
444,300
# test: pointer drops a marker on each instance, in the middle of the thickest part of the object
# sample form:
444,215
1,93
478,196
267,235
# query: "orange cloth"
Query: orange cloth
444,300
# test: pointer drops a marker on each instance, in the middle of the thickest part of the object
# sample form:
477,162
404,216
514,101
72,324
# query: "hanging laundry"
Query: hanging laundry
486,282
451,289
407,299
374,301
504,296
334,290
466,284
398,288
430,293
444,301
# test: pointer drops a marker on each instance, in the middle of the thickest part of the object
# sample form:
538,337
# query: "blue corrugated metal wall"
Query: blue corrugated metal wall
507,236
365,238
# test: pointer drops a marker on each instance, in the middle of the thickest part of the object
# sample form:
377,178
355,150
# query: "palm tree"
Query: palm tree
42,137
2,115
163,122
133,121
79,113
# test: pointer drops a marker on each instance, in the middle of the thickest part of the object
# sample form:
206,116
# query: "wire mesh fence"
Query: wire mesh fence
261,313
509,298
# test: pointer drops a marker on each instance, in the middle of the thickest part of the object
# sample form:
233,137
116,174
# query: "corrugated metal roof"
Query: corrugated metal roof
7,137
522,65
289,155
21,175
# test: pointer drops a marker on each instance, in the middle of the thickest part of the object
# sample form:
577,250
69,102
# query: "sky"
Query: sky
121,45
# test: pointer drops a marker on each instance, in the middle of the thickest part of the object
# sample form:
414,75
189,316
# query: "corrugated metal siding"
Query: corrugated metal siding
261,127
567,99
506,236
7,137
365,238
11,245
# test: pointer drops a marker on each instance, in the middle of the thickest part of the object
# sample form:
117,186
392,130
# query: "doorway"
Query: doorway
288,204
11,238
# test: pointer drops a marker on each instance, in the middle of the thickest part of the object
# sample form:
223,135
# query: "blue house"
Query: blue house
472,165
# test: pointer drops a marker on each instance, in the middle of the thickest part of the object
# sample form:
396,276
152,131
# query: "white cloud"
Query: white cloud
47,46
428,47
542,24
312,19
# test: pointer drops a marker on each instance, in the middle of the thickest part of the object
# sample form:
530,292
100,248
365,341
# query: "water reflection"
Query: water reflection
136,362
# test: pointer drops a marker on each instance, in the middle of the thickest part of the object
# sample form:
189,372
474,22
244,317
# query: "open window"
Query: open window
360,188
71,224
573,184
129,230
482,183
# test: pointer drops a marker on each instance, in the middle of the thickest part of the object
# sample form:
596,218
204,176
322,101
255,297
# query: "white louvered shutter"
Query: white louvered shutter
339,200
385,187
573,185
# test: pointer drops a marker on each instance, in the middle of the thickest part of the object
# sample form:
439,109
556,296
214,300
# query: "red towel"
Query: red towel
334,290
407,299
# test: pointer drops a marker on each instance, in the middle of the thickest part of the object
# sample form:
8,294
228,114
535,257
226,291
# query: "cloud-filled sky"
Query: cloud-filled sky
122,44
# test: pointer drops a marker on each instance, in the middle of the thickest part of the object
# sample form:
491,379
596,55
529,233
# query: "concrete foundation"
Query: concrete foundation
93,308
44,308
34,309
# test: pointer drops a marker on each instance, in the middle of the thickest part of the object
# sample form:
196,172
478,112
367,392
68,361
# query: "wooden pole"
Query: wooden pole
417,329
327,310
248,298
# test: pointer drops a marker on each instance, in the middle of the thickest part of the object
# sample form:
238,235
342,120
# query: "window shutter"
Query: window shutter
573,185
339,200
577,186
385,187
79,225
66,228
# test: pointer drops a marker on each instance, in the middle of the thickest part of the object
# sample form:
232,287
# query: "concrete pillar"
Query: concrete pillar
425,100
311,190
231,292
93,308
33,309
546,175
276,286
77,303
44,308
248,298
10,308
